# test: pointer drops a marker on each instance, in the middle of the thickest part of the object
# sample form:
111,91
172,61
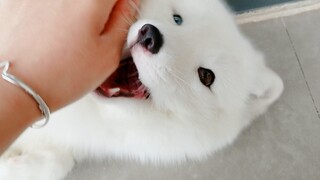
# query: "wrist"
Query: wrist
17,105
30,71
20,84
18,111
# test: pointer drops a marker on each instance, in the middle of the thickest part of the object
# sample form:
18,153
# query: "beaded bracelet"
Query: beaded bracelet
42,105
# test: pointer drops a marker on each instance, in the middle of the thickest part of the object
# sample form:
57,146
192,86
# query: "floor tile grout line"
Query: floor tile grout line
300,65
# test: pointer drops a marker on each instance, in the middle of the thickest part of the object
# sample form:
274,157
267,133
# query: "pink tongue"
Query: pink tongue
124,82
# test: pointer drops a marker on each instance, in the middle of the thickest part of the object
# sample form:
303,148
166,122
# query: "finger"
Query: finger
121,18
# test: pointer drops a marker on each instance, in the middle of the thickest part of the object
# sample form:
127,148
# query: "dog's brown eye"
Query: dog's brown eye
206,76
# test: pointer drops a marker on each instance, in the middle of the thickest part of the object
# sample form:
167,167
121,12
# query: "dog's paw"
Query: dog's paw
18,164
7,163
13,165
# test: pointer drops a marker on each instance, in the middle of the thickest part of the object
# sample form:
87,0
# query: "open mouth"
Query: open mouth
124,82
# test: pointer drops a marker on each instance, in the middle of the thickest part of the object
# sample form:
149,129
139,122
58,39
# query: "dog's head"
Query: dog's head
183,55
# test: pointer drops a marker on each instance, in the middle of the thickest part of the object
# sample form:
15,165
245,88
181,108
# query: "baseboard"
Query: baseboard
283,10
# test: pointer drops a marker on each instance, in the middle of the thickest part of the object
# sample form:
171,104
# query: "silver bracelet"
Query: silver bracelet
42,105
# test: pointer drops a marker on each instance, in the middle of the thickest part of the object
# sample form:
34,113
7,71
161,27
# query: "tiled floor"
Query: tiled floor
283,144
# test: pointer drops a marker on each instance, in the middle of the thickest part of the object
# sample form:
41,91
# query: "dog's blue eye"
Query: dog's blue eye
177,19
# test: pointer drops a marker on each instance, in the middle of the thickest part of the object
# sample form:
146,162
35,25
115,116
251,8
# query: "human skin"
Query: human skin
62,49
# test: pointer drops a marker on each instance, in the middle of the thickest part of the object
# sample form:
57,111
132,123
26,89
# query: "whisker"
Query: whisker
122,30
135,7
177,77
176,71
135,18
126,19
171,72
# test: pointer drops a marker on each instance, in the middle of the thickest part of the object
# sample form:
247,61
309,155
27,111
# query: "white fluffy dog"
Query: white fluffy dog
191,83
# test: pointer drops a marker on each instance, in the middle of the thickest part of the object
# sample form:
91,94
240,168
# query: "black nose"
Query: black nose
150,38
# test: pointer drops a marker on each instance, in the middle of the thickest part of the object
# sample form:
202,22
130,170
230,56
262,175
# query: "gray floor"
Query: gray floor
282,144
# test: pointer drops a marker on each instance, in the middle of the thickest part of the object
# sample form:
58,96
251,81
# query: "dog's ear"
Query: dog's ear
267,88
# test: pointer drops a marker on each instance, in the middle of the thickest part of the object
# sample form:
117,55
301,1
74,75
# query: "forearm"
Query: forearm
60,50
18,111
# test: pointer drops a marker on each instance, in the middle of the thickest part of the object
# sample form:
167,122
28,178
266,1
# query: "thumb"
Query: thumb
121,18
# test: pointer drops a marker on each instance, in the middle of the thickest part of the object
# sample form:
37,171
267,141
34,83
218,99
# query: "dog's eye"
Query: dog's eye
177,19
206,76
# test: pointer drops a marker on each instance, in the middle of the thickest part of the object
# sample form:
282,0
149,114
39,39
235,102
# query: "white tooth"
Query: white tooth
141,88
114,91
133,74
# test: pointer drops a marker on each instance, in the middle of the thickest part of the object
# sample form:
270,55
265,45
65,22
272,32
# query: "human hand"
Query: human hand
63,48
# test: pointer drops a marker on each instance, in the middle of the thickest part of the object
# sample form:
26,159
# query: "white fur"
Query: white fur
182,120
